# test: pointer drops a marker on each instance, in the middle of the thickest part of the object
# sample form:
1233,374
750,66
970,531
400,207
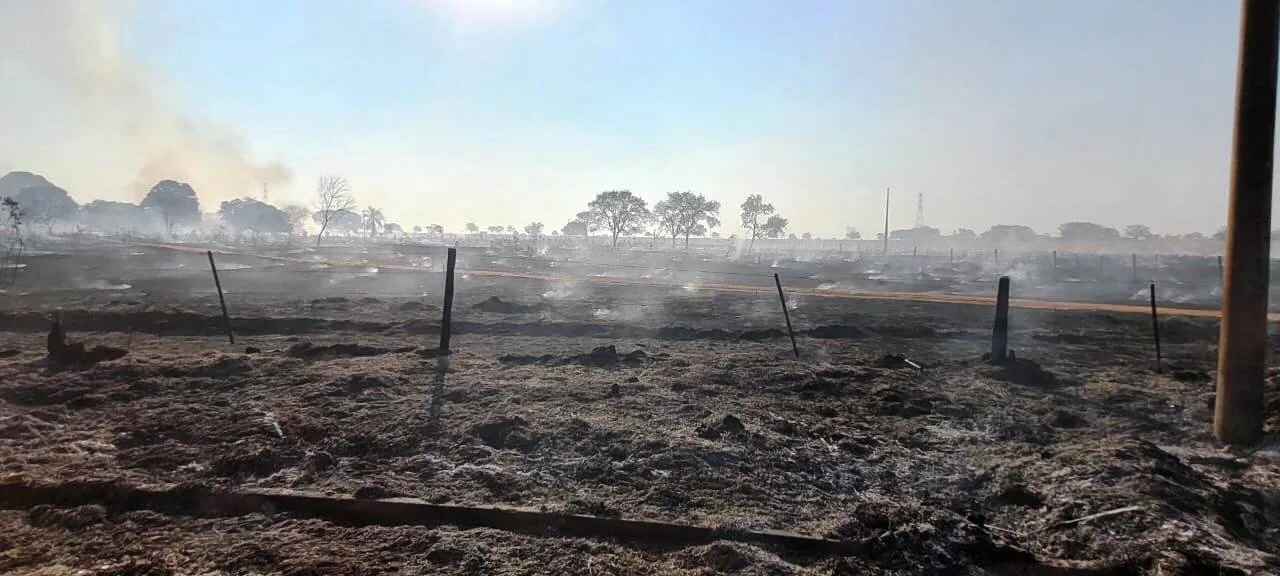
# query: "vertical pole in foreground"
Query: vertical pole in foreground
1242,345
1000,333
226,320
446,320
1134,258
886,221
786,315
1155,329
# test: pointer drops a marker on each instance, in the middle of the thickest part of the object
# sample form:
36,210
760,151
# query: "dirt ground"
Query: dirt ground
682,405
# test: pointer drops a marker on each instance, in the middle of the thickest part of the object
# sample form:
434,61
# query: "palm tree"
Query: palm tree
373,220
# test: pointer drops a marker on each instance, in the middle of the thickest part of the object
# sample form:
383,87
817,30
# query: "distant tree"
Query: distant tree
806,236
921,234
46,205
392,228
1193,236
472,228
1009,233
618,211
373,220
1138,232
417,229
11,234
555,232
1087,232
436,229
534,229
1221,234
964,234
774,227
107,215
852,233
510,229
248,214
343,220
296,215
755,213
175,202
14,182
686,214
575,227
715,234
333,198
496,229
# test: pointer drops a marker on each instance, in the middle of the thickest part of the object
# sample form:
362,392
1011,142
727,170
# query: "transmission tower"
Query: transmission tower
920,210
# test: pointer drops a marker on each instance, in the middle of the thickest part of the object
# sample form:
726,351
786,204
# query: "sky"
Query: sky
504,112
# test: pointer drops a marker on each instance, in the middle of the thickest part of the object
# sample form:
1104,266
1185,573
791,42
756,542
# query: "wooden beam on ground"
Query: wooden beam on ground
198,501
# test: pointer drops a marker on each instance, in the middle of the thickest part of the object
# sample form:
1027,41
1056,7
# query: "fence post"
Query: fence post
953,256
1000,332
1155,329
446,320
226,320
997,253
786,315
1134,256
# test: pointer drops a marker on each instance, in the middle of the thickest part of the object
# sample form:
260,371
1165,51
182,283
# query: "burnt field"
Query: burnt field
667,393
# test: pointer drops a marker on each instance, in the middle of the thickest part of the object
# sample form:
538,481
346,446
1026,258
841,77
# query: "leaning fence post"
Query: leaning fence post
1155,328
786,315
446,319
997,253
226,320
1000,332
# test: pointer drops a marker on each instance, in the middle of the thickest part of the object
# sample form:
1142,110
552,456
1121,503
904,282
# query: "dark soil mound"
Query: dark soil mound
497,305
1024,372
309,351
600,357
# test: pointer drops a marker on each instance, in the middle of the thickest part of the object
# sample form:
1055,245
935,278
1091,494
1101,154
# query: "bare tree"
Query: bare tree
296,215
333,197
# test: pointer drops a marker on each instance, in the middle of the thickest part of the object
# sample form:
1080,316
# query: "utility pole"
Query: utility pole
1243,343
886,221
920,211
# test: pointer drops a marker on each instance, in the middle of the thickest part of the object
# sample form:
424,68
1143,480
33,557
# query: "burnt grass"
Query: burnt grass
692,409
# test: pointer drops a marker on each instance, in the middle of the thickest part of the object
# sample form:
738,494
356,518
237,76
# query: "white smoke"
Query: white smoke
83,112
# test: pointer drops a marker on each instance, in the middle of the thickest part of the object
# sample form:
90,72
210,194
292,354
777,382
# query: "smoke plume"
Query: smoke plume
84,112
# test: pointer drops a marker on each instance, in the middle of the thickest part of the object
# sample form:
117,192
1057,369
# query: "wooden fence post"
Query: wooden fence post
786,315
1000,332
226,320
446,320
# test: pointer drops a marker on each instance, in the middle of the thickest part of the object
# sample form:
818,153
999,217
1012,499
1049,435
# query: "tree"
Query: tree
806,236
496,229
534,229
295,215
253,215
472,228
392,228
964,234
774,227
575,227
753,209
436,229
921,234
344,220
1221,234
333,199
687,214
417,229
1138,232
46,205
12,236
1087,232
175,202
107,215
852,233
373,220
618,211
1010,233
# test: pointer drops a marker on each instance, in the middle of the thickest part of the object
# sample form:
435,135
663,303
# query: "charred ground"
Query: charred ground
682,404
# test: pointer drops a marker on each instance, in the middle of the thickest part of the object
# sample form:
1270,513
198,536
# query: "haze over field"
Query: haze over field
501,111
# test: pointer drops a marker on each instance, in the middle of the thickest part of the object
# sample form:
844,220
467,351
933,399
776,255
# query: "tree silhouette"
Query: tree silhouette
687,214
618,211
496,229
295,215
175,202
852,233
46,205
373,220
333,198
472,228
534,229
774,227
1138,232
248,214
1087,232
753,209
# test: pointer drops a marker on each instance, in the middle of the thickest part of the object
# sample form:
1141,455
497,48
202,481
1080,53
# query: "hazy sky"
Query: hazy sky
506,111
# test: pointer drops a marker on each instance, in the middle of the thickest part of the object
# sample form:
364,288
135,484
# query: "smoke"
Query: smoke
93,118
